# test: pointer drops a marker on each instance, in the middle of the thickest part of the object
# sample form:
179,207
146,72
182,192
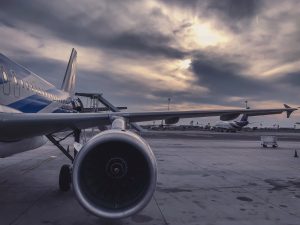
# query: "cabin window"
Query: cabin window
14,78
5,77
26,85
17,90
6,85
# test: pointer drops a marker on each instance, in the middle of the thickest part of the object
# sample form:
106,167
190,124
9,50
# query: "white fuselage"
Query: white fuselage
231,125
22,91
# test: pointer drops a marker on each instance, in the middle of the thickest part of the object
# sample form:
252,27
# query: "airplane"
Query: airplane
232,126
114,173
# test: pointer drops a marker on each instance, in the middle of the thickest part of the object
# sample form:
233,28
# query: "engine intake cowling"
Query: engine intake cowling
114,174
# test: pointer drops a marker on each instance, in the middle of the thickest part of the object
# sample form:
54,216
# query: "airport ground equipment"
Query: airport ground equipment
269,141
108,104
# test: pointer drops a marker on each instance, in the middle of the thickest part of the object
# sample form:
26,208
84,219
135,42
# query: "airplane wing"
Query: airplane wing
15,126
224,114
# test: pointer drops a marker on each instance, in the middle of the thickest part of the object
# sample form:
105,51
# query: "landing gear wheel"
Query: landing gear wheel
65,178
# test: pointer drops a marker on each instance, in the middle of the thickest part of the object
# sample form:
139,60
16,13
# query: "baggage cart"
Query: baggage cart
269,141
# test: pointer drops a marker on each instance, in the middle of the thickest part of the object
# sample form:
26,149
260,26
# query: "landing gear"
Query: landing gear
65,178
65,174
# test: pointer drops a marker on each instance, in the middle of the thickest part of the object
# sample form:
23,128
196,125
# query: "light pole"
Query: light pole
169,100
246,102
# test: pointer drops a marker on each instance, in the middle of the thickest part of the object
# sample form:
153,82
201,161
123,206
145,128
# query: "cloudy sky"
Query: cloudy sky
202,54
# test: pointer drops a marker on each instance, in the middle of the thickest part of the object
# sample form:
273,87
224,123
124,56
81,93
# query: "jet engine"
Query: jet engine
114,174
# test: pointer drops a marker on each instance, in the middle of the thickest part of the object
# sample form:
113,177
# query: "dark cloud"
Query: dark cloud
190,4
235,15
221,76
154,44
290,79
226,80
235,10
80,28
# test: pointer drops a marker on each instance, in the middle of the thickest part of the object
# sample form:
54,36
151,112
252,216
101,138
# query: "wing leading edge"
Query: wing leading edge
15,126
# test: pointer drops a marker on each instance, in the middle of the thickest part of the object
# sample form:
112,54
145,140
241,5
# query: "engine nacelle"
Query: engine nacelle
226,117
114,174
172,120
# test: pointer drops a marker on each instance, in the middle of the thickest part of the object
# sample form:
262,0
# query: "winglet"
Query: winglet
289,110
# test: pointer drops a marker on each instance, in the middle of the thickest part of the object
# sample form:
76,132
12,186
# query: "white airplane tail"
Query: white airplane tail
68,84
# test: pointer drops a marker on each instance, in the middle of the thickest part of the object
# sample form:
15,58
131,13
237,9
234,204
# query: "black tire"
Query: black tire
65,178
265,146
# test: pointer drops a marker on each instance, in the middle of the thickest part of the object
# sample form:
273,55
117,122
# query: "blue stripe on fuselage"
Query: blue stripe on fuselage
31,104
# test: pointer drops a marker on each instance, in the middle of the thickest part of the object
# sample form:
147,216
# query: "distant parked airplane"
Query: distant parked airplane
114,173
232,126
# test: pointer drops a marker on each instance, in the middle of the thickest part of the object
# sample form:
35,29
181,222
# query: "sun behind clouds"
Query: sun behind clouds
204,35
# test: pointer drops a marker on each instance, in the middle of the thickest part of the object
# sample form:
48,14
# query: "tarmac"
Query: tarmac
202,179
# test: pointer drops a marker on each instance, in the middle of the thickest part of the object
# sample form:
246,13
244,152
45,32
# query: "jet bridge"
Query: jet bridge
95,98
